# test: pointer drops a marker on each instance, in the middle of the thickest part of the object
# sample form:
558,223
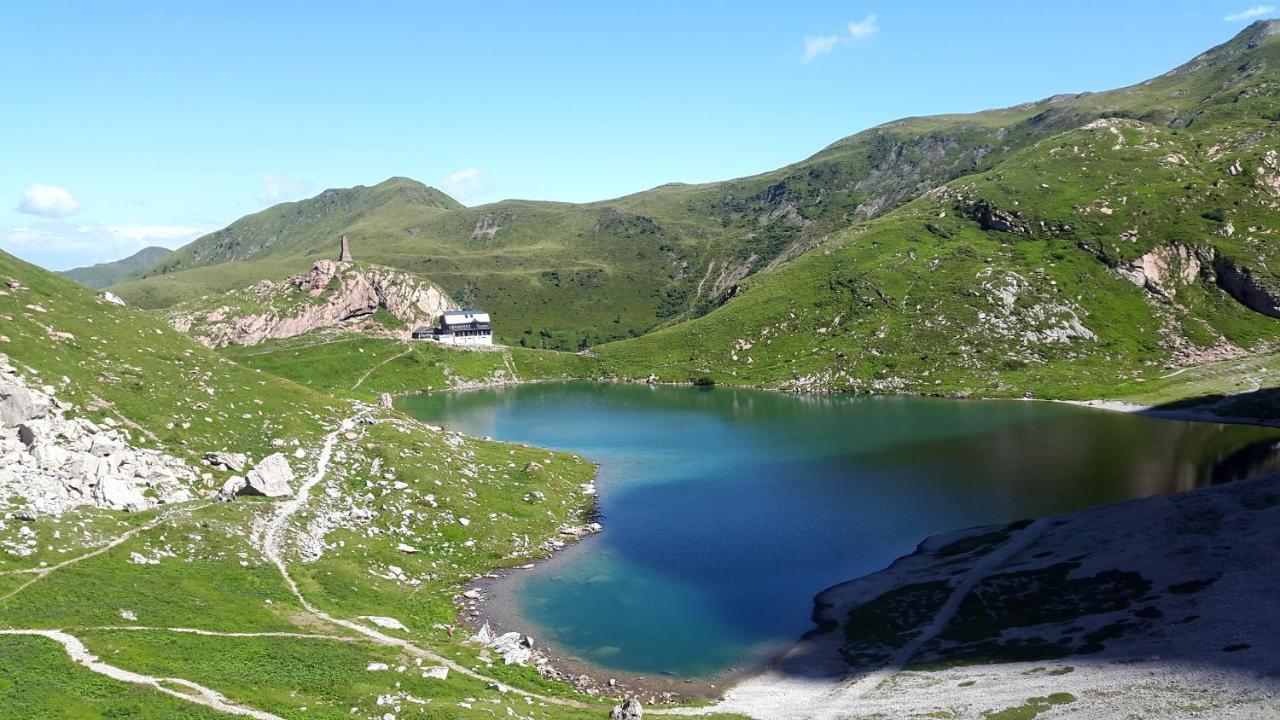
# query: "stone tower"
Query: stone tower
345,255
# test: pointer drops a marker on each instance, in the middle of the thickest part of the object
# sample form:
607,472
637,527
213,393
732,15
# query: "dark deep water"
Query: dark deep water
726,511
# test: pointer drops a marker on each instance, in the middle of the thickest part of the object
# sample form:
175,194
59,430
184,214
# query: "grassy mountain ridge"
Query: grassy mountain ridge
566,276
109,273
1100,256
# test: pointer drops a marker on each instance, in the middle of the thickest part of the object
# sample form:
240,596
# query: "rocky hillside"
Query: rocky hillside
268,550
338,295
580,275
1112,612
52,461
106,274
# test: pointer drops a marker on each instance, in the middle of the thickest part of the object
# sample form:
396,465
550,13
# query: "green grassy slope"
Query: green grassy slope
391,481
925,299
353,365
564,276
106,274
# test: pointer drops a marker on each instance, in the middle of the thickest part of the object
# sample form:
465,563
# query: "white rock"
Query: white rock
234,485
385,622
234,462
271,477
117,493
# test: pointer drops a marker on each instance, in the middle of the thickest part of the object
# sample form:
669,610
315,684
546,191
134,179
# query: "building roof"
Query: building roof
464,317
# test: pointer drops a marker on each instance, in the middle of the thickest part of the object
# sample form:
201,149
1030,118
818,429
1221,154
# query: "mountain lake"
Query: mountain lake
725,511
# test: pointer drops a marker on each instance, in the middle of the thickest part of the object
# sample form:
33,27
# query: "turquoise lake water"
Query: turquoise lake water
726,511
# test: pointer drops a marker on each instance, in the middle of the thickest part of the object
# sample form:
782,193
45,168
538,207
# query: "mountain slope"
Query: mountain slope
109,273
264,603
1098,256
566,276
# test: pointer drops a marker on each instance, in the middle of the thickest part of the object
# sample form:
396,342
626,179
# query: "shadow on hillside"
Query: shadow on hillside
1206,603
1261,405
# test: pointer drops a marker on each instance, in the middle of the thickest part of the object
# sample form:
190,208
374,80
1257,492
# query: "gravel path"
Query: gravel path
198,694
41,572
272,546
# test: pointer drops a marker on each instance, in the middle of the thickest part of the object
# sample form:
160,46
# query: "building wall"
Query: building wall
467,340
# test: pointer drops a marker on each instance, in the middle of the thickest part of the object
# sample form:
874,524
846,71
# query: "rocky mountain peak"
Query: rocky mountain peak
1247,40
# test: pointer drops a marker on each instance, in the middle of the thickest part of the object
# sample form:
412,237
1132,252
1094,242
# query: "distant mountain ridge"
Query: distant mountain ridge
574,275
109,273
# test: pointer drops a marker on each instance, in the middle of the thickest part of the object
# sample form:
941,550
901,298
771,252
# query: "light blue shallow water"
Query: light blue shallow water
726,511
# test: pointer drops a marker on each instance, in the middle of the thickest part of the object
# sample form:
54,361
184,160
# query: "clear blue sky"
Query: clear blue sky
128,123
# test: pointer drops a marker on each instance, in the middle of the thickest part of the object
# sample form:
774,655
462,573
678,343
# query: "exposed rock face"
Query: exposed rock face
488,225
1241,284
52,463
1018,310
333,294
1162,269
630,709
270,477
991,218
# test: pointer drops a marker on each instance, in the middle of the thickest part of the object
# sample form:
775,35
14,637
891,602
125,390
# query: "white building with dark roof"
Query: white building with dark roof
459,327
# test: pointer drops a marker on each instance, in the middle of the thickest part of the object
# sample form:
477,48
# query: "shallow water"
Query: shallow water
726,511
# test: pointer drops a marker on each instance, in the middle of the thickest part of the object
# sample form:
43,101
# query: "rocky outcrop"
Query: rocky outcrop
992,218
51,463
1162,269
1241,284
488,225
332,294
513,647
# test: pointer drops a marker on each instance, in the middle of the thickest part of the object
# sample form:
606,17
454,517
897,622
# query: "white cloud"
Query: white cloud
819,45
277,188
59,245
864,28
1251,13
466,184
164,235
48,201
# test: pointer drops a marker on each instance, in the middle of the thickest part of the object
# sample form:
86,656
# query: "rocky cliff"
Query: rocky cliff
353,296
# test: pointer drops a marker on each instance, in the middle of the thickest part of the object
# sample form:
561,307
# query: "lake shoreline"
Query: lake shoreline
498,611
1200,413
594,678
1150,660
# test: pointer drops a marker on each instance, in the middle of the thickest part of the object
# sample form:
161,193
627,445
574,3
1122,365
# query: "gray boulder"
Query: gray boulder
270,477
234,462
630,709
234,485
18,405
118,493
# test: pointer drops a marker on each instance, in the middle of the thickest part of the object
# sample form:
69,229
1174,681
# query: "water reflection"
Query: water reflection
727,510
